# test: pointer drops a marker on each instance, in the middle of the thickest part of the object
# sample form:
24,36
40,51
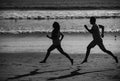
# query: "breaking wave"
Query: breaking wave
58,14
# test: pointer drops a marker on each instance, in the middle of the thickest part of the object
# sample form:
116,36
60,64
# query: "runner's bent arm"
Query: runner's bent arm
87,29
49,37
102,27
62,36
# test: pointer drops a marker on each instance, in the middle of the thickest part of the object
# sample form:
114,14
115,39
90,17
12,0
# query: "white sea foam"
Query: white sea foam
58,13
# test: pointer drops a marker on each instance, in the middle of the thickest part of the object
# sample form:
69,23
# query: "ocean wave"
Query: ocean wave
51,14
73,25
64,17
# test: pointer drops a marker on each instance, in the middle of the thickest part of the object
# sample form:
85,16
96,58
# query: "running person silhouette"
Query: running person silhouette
97,40
56,37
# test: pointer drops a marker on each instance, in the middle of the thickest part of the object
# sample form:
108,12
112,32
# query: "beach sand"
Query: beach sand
26,67
20,57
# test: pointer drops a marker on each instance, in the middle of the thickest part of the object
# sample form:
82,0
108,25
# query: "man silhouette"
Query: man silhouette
97,40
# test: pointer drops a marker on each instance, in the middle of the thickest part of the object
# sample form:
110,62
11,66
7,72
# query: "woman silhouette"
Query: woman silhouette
56,38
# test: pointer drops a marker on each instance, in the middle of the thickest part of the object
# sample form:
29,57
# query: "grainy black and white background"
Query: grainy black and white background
24,25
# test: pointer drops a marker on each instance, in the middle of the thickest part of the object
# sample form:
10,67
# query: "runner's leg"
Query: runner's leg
102,47
52,47
65,54
91,45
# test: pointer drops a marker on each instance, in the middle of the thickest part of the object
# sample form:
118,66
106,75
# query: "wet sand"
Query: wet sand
73,43
20,56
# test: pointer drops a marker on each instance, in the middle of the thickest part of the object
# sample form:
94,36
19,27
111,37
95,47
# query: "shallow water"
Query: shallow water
68,25
72,43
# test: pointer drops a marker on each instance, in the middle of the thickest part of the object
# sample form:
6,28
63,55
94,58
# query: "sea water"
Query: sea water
70,20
